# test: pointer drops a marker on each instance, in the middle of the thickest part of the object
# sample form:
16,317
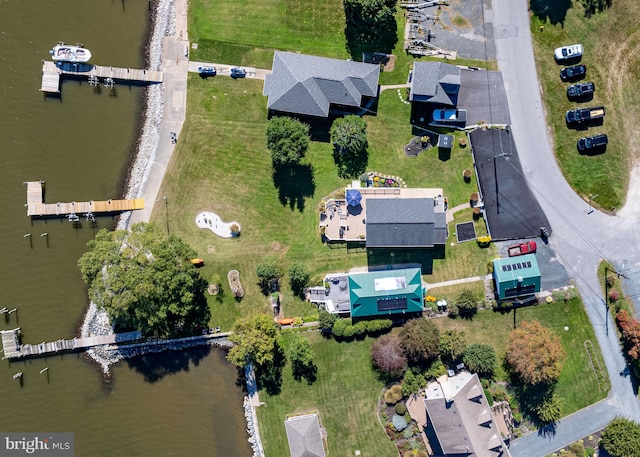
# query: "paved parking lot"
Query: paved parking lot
482,95
511,209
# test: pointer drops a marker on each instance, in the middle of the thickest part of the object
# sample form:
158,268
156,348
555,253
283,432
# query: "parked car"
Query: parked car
585,115
574,73
580,90
593,143
207,70
528,247
237,72
565,53
449,115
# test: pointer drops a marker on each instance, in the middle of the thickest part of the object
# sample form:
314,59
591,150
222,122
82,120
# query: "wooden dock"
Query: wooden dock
37,208
13,349
52,72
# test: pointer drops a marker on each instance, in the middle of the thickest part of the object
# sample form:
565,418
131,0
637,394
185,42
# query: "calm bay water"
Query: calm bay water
177,404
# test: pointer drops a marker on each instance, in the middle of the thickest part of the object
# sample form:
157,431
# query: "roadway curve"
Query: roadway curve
580,238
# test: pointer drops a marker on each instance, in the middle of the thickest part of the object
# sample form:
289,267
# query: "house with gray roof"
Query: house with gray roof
304,435
459,419
314,86
437,83
405,223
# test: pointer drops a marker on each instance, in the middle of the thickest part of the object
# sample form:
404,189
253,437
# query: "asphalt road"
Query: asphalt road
580,238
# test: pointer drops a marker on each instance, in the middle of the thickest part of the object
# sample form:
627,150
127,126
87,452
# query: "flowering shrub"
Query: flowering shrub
430,298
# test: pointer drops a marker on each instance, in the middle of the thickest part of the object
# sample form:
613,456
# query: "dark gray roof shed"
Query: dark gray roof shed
435,82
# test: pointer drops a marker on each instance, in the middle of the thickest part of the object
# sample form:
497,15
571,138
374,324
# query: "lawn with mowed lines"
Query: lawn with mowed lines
345,396
578,384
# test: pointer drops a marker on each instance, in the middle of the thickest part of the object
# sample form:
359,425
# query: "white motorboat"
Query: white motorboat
66,53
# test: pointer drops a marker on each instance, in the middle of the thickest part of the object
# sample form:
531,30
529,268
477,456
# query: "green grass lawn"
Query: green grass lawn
344,394
610,41
221,164
578,384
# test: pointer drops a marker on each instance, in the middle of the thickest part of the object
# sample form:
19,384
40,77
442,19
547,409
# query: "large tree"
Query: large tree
298,278
480,358
387,355
535,353
452,345
349,139
370,26
256,340
269,273
420,340
301,358
621,438
288,140
145,281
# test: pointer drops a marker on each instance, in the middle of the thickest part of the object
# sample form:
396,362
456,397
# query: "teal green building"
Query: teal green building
516,277
386,293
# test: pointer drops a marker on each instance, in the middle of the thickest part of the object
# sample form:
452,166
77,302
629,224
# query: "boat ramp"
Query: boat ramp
37,208
52,73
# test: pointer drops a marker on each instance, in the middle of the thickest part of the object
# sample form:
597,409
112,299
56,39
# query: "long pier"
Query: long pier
52,72
37,208
13,349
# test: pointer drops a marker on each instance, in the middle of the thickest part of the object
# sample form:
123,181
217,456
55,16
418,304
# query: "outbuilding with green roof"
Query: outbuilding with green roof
516,277
386,293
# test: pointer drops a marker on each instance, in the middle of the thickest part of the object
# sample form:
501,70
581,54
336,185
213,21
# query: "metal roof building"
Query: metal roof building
311,85
516,277
386,292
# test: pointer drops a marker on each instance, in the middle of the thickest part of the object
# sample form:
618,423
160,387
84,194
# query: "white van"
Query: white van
568,52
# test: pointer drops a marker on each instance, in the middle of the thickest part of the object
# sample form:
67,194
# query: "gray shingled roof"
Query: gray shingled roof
404,222
303,434
435,82
308,85
464,426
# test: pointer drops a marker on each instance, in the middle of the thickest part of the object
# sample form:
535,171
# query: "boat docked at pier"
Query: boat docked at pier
66,53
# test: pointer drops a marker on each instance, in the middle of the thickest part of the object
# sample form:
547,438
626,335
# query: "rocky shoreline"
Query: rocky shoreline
96,322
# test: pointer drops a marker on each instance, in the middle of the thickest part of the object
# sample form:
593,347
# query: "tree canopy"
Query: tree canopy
301,358
452,345
621,438
420,341
370,26
145,281
387,355
349,139
298,278
288,140
256,340
480,358
535,353
269,272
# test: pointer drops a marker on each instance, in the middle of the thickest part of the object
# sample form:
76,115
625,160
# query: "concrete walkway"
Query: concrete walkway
451,212
175,67
394,86
454,282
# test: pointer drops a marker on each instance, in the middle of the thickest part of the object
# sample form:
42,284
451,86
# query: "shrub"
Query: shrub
326,320
401,409
466,175
436,370
387,356
614,296
413,382
339,327
480,358
399,422
393,395
235,230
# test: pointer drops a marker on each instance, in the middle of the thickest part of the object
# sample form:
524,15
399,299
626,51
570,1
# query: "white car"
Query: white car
568,52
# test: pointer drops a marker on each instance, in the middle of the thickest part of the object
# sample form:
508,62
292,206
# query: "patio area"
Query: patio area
344,220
